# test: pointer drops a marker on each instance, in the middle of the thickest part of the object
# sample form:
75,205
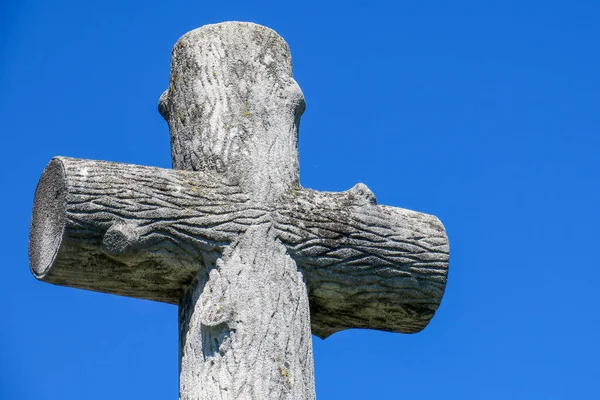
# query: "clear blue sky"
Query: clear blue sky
484,113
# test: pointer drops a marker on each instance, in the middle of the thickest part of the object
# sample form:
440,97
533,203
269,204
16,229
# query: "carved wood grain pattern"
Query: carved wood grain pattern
172,222
234,107
244,326
233,243
365,265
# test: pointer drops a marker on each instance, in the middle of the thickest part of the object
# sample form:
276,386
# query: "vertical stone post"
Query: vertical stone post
233,107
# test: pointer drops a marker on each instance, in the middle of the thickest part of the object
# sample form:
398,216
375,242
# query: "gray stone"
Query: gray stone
253,260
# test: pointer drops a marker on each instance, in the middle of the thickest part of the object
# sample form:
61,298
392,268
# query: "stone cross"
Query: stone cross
252,259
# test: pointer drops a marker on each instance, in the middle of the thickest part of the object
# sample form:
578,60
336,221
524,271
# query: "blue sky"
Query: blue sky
482,113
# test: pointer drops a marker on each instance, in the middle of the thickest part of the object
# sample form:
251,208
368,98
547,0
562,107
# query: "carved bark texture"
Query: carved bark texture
234,107
231,236
244,331
146,232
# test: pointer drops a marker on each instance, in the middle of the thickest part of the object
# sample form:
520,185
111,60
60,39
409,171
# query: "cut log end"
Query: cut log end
48,218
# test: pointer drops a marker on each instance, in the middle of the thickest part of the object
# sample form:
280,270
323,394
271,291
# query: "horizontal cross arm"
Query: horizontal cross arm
130,230
146,232
366,265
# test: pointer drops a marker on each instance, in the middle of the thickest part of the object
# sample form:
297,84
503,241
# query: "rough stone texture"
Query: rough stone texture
230,236
233,107
146,232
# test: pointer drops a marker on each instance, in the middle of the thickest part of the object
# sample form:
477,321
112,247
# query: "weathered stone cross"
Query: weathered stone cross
230,236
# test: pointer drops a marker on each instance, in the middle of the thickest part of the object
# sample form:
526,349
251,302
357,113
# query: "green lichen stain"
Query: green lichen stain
246,113
286,375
